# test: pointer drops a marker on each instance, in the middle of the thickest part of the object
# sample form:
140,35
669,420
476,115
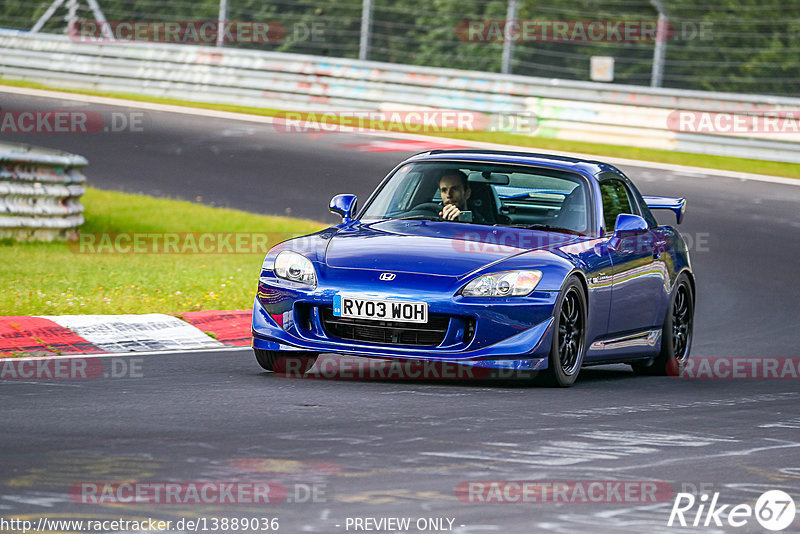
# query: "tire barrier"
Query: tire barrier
40,193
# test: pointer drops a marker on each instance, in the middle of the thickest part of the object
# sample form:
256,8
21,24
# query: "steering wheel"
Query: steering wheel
426,208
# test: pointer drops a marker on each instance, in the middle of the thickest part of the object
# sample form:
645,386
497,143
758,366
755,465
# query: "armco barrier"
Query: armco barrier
573,110
40,193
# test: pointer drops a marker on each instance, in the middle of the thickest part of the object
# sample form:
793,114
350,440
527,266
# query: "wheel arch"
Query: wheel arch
581,276
690,276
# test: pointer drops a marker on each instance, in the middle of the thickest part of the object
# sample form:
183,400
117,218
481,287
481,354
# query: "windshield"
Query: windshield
485,193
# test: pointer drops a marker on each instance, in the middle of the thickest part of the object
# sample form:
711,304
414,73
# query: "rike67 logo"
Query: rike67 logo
774,510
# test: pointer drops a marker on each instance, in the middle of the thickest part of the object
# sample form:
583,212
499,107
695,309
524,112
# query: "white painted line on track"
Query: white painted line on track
697,171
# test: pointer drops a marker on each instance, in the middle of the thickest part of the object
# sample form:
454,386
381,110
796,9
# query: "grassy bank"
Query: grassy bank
62,278
774,168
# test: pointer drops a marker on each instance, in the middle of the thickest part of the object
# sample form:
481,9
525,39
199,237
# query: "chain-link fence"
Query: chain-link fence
744,46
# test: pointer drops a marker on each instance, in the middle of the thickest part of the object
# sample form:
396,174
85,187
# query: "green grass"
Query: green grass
773,168
58,279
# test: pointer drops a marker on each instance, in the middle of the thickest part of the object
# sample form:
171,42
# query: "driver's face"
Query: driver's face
453,192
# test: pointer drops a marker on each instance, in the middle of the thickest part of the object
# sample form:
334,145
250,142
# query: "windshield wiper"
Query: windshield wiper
546,227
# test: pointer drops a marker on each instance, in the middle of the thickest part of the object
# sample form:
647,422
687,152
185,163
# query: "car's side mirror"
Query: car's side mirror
345,206
627,225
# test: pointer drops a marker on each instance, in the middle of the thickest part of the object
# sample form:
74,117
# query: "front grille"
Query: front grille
429,334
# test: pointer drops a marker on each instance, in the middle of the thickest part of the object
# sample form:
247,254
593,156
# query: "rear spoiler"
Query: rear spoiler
678,205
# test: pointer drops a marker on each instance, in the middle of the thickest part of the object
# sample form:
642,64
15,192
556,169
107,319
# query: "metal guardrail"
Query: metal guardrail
582,111
40,193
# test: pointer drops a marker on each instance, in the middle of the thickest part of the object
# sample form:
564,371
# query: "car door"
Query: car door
638,271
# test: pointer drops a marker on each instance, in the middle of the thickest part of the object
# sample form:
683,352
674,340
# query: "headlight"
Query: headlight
295,267
507,284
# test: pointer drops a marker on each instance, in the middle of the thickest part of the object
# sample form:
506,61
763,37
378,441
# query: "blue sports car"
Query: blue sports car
498,260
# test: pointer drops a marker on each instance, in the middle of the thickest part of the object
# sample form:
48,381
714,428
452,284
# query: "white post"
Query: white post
222,20
508,44
660,49
366,25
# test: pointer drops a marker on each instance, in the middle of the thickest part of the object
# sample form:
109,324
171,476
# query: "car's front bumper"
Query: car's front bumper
288,319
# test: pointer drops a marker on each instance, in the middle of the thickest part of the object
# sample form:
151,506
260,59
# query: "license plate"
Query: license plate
380,310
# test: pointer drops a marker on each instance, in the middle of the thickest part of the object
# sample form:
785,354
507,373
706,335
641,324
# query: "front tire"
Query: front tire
281,361
676,334
569,337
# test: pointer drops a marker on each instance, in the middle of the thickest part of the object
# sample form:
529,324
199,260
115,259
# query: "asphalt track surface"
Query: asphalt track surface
381,449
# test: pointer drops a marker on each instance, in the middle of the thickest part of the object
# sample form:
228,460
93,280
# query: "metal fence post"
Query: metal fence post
46,16
72,14
660,49
366,28
101,18
222,19
508,44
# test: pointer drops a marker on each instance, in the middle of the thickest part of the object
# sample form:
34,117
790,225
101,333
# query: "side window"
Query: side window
616,200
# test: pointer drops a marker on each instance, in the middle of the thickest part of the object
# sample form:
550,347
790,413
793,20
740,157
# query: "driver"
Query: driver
455,191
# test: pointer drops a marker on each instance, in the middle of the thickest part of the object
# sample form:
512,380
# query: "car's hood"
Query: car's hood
449,249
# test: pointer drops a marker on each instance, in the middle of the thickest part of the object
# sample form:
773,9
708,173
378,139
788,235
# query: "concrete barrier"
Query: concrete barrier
564,109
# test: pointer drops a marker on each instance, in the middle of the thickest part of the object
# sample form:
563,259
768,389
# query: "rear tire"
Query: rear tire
676,334
569,337
276,360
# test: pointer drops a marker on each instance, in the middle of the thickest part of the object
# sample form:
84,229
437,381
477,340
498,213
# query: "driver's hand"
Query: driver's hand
450,212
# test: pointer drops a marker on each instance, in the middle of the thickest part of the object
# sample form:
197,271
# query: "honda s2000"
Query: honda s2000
498,260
